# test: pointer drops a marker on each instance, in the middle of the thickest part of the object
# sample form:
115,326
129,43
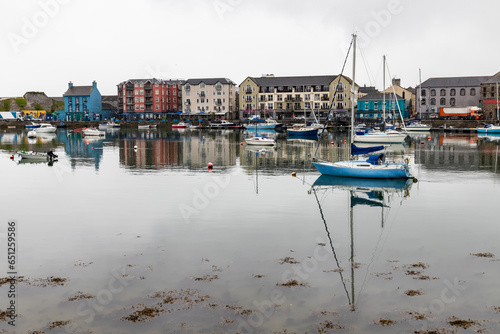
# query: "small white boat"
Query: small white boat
46,127
93,132
109,125
180,125
417,126
260,140
36,156
146,126
389,136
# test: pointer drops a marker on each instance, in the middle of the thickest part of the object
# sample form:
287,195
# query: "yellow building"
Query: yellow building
294,95
407,94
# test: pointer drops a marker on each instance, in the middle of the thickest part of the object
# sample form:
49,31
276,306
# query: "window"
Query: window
462,92
433,102
280,98
452,101
452,92
269,97
443,92
157,99
202,85
442,101
472,91
157,91
433,92
142,92
157,107
307,97
142,99
424,92
136,100
136,92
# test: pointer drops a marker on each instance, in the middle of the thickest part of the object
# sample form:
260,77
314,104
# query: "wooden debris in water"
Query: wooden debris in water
80,295
456,322
207,278
328,326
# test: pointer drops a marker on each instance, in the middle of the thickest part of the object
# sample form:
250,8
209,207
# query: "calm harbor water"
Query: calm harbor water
132,234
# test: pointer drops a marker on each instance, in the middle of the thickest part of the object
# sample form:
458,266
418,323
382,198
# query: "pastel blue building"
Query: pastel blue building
371,106
83,103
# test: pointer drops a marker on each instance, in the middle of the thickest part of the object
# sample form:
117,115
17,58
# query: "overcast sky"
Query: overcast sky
47,43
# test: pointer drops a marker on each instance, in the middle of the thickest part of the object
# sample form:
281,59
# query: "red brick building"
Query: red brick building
149,98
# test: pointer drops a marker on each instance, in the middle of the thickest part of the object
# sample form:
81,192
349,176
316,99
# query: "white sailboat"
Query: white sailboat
416,125
373,166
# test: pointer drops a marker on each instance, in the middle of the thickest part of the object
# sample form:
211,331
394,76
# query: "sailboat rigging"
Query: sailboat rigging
374,166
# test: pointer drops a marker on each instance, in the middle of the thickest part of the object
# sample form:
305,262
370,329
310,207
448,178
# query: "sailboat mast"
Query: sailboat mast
383,90
420,94
354,36
497,105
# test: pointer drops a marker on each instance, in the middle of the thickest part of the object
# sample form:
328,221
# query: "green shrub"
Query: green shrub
21,102
5,106
38,106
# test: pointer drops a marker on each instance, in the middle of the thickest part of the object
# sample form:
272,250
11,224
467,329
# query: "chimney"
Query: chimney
396,82
94,84
70,84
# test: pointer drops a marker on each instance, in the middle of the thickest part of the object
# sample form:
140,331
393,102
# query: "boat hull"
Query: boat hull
363,169
380,138
489,130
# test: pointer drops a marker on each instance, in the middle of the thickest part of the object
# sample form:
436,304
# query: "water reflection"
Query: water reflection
376,195
194,149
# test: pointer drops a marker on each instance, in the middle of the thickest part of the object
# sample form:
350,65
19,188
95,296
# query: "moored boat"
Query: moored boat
109,125
46,127
180,125
260,140
36,156
93,132
223,124
489,129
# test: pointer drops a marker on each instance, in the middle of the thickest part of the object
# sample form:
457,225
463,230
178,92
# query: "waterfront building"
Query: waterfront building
490,97
83,103
294,96
149,98
371,106
213,96
436,93
407,94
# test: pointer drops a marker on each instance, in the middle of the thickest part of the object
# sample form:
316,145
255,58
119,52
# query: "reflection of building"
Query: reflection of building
83,103
149,98
216,95
289,94
450,152
448,92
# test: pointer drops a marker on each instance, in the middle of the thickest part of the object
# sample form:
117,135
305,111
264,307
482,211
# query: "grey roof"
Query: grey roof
368,90
317,80
379,97
153,81
79,91
493,79
454,82
210,81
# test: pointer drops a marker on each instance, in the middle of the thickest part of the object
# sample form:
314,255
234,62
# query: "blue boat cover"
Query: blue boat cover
365,150
374,158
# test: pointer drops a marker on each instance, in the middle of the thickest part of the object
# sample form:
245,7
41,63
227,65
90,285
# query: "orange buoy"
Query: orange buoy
210,166
294,174
429,138
331,143
241,144
92,147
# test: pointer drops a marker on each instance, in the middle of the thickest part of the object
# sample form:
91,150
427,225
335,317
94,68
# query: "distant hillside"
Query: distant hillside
31,101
